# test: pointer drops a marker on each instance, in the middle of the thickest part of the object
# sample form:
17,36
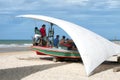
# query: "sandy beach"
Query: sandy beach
26,65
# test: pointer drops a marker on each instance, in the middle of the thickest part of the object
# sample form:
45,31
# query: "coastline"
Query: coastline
21,63
14,49
15,45
26,65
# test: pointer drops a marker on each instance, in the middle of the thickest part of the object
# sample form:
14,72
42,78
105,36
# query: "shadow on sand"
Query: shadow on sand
105,66
21,72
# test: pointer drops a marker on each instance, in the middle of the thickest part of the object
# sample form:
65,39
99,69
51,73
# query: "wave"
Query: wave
14,45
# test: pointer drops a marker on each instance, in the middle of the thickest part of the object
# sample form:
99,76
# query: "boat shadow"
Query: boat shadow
103,67
106,66
21,72
68,60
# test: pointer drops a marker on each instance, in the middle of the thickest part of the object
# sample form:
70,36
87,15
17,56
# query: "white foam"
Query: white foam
14,45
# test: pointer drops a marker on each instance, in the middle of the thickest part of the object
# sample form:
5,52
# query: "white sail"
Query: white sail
93,48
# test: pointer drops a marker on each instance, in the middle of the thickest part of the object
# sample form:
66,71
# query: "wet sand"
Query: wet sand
26,65
14,49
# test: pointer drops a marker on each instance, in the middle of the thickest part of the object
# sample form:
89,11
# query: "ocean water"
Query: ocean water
22,45
15,43
27,43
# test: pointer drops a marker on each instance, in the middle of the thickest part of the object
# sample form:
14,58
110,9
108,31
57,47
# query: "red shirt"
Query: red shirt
43,31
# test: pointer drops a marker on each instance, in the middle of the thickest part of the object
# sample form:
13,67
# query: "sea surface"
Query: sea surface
23,45
15,45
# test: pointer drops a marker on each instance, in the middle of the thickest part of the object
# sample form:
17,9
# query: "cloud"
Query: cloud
23,5
113,3
77,2
39,4
105,5
11,6
94,13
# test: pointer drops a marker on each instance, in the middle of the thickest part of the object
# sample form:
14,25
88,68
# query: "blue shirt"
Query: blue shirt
56,42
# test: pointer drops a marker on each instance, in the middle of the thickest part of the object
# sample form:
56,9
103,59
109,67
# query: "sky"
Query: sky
99,16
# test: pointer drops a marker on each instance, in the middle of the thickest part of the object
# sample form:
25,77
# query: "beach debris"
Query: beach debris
118,59
116,69
29,58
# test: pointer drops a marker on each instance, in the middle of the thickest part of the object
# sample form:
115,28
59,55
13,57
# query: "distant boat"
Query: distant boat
92,48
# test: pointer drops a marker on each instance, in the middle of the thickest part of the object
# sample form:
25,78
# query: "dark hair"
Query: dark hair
43,25
36,28
63,37
57,36
67,39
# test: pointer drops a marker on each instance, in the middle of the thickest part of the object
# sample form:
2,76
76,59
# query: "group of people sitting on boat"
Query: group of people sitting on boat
41,39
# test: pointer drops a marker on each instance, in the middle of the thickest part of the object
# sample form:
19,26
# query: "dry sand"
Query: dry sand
26,65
